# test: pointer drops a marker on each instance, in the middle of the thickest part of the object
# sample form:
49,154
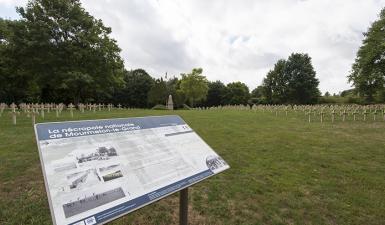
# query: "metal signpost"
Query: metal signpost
98,170
183,207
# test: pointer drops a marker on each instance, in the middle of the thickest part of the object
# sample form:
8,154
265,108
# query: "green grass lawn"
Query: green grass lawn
284,170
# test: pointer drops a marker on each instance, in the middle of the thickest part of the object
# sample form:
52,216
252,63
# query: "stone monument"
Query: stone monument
170,104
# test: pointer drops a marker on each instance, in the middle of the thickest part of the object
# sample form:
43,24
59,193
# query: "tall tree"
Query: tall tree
275,84
16,83
65,53
291,81
216,93
257,96
368,71
158,93
267,88
137,84
237,93
194,86
302,85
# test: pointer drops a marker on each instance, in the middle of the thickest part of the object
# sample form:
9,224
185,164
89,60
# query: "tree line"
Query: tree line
58,52
192,89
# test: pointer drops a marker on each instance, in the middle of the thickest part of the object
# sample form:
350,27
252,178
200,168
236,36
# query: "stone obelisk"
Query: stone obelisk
170,104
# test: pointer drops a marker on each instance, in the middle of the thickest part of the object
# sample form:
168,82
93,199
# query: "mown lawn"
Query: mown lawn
284,170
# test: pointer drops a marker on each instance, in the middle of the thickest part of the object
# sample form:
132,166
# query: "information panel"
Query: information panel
98,170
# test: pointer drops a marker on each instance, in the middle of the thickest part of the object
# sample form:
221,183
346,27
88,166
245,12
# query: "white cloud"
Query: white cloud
8,8
237,40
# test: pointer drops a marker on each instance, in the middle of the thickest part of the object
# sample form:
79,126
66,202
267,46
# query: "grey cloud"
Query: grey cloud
254,60
145,42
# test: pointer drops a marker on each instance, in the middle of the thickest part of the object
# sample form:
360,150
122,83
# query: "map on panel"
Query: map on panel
98,170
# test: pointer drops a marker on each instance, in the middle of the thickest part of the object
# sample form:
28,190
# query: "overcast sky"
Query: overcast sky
234,40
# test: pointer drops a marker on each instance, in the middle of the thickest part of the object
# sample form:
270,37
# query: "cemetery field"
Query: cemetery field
284,170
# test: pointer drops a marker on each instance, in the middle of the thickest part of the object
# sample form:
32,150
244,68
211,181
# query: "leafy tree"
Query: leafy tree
77,82
194,86
257,96
237,93
62,53
368,71
16,84
327,94
302,83
257,92
348,92
267,90
5,69
158,94
137,84
216,93
275,84
291,81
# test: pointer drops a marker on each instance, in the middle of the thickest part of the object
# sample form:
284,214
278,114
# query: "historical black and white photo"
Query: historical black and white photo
92,201
88,178
101,153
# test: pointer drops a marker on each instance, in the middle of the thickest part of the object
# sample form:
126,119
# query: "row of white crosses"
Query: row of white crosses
344,111
224,107
82,107
358,112
29,110
91,107
310,111
33,110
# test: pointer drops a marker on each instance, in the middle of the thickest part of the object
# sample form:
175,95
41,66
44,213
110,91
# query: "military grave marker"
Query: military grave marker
71,107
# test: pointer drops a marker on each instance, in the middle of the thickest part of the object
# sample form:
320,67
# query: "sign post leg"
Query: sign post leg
183,207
